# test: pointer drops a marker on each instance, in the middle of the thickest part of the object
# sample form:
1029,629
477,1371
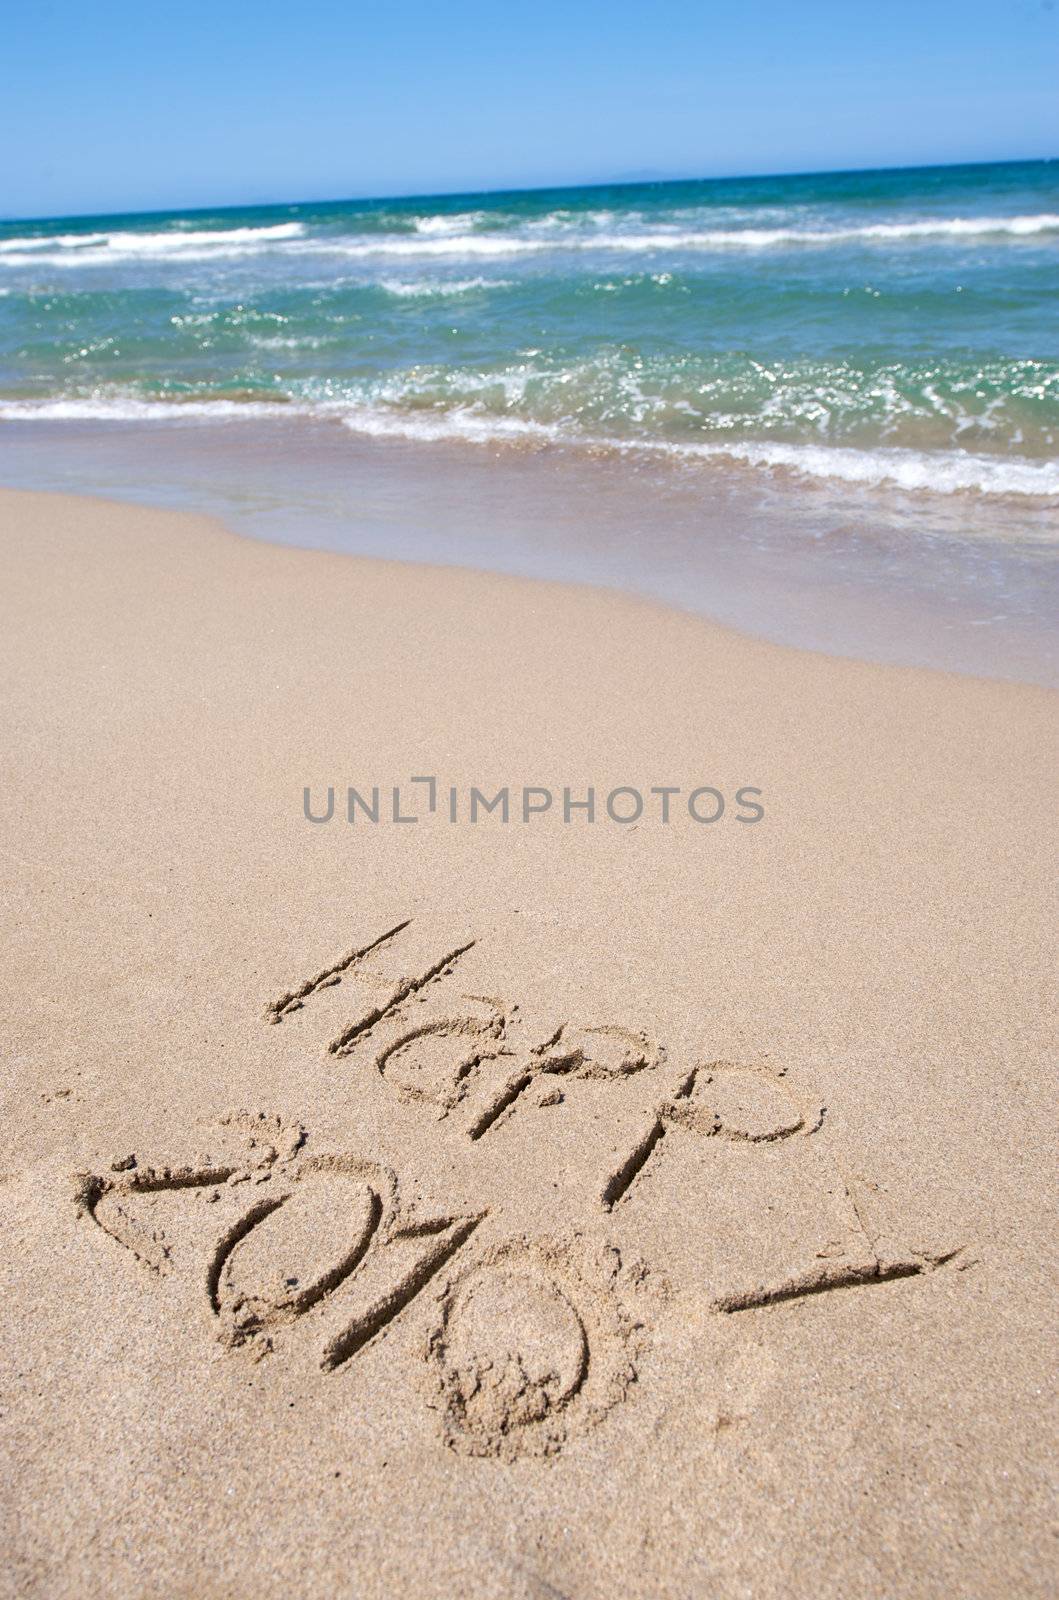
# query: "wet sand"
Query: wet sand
959,582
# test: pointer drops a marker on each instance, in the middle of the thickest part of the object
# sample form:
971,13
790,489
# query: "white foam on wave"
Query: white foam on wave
936,472
885,232
427,287
661,239
943,472
498,245
106,249
46,241
464,244
129,408
435,236
436,427
454,222
933,471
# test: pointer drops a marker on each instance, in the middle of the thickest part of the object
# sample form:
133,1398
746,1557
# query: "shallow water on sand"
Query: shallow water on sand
846,572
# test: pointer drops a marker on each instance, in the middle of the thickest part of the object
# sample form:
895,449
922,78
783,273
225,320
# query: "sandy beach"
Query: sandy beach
528,1208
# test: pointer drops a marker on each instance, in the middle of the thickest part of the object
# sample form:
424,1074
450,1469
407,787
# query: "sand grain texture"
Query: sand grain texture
522,1211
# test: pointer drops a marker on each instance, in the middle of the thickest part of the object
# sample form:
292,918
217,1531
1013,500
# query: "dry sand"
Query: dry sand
664,1210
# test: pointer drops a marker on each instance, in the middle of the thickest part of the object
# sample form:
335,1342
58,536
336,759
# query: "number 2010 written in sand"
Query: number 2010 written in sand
536,1331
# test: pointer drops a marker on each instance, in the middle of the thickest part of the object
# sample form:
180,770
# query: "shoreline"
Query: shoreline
799,566
227,527
973,477
757,1116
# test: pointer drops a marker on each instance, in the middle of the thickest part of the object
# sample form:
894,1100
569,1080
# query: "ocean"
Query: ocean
889,334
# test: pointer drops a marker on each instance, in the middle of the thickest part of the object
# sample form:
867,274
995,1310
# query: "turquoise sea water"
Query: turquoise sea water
890,329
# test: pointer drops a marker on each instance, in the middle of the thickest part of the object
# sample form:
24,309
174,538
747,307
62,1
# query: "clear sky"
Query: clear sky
133,105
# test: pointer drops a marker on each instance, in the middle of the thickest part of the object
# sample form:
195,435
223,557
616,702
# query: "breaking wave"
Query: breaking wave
454,236
944,472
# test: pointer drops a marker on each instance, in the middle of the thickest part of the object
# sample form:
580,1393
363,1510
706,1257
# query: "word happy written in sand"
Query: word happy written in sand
530,1337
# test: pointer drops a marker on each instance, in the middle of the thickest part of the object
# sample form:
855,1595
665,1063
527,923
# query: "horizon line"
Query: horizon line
540,188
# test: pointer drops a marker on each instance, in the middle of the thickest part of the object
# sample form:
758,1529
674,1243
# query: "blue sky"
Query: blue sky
132,106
